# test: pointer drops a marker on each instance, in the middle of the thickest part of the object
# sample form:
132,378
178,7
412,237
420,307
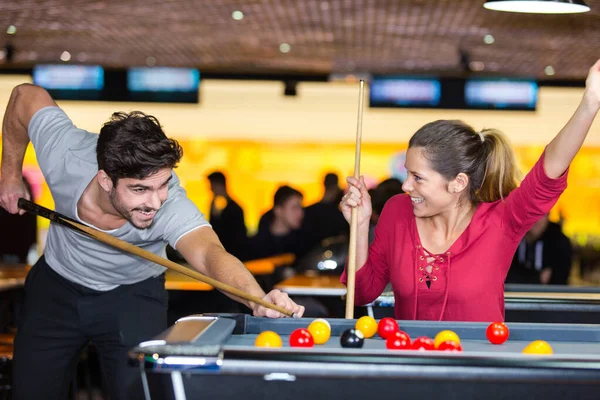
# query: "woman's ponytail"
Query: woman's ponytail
502,173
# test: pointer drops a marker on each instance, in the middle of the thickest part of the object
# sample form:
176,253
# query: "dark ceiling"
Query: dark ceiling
322,36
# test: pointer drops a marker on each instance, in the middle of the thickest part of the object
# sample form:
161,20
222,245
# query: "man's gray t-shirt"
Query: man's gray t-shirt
67,158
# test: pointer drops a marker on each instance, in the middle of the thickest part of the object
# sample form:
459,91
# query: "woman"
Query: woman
446,245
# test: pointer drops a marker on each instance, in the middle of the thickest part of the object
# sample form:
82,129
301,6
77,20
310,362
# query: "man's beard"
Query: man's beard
127,214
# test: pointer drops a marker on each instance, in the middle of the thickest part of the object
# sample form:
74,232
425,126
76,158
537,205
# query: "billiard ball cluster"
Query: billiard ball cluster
319,332
444,341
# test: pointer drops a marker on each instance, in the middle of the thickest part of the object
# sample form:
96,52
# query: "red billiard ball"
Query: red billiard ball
423,343
386,327
301,338
449,345
497,333
398,341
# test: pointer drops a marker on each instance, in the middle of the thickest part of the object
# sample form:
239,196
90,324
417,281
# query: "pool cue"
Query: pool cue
132,249
351,270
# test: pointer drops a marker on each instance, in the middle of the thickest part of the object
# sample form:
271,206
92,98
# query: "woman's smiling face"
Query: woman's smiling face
427,188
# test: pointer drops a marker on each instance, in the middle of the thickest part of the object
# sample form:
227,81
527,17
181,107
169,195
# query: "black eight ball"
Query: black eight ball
352,338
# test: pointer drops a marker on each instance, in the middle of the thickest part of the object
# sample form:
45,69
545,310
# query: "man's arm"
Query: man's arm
25,101
203,250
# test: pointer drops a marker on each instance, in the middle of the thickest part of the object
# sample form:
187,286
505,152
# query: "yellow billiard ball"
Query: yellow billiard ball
320,331
323,320
445,336
367,325
268,339
538,347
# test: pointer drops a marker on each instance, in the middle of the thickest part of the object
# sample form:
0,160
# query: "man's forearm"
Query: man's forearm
225,268
14,137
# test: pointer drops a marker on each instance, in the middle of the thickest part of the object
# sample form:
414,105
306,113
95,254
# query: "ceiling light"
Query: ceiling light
538,6
488,39
476,66
65,56
237,15
285,48
549,70
11,30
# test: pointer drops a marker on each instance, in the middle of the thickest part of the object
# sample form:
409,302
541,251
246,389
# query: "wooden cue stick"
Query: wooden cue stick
130,248
351,270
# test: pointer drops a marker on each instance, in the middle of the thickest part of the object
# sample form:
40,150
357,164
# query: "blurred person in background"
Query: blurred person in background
324,219
283,233
543,256
380,195
227,217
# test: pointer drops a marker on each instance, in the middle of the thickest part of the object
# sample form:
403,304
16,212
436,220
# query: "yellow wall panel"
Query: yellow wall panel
255,170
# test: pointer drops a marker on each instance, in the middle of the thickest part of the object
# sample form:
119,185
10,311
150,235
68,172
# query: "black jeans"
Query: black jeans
59,318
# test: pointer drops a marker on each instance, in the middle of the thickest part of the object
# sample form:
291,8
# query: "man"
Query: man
543,256
81,290
324,219
283,234
386,189
227,217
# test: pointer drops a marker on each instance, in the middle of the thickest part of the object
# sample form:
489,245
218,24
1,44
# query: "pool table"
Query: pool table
213,356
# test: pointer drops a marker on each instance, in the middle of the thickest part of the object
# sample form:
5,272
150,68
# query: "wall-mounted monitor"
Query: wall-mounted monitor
504,94
163,84
396,91
70,82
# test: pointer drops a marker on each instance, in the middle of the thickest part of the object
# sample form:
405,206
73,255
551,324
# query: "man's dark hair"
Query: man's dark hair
283,194
331,181
133,145
217,177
